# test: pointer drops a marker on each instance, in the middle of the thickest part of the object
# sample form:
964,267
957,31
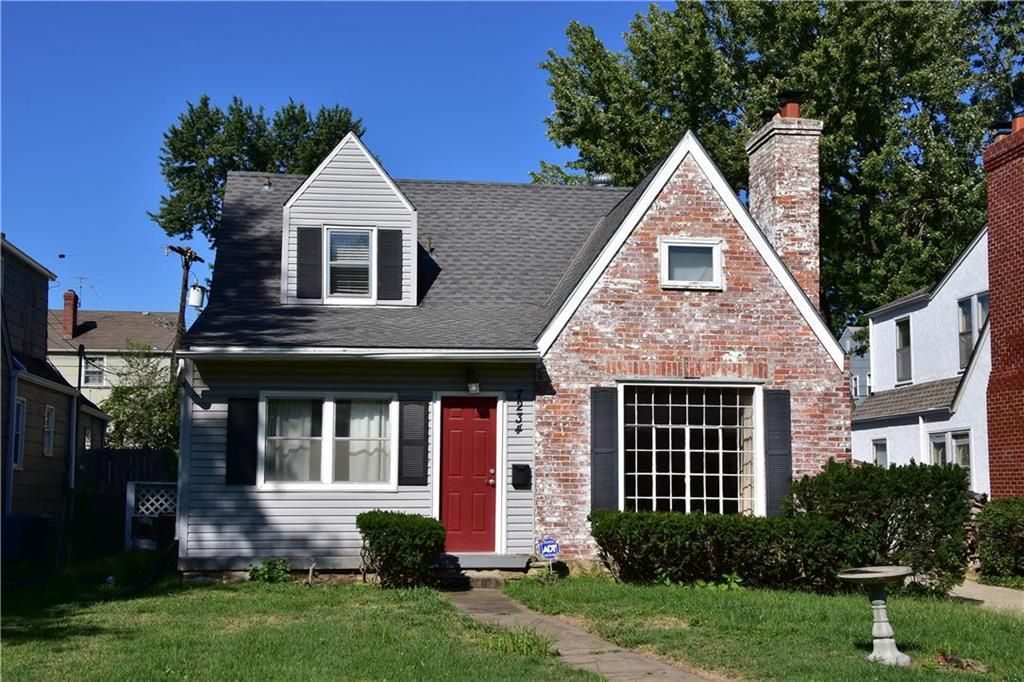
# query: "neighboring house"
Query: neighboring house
106,335
41,410
1004,168
930,363
860,364
503,357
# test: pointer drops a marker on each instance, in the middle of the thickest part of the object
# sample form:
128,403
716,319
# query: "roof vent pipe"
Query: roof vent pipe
601,180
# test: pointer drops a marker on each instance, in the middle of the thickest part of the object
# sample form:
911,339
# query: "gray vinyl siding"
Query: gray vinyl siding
230,522
351,192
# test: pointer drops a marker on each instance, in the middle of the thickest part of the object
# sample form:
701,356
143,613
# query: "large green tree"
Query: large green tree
907,92
207,142
144,405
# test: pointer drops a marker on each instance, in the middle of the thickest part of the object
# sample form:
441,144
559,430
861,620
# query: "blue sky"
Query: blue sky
445,91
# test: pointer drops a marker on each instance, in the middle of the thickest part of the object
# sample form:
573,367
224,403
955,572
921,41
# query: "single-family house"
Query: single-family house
46,421
860,363
505,357
930,363
108,335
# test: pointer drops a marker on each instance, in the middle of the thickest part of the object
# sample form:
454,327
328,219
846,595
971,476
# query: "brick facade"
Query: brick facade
1004,166
628,327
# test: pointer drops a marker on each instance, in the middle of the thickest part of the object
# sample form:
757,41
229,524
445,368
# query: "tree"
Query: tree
143,405
207,142
907,93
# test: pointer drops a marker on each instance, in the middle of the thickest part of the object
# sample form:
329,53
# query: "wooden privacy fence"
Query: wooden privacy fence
102,488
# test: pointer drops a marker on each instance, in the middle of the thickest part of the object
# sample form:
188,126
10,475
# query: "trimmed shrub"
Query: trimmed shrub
913,515
400,548
803,552
1001,541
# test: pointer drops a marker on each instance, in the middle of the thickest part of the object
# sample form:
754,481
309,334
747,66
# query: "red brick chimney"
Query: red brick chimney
1004,168
784,189
70,313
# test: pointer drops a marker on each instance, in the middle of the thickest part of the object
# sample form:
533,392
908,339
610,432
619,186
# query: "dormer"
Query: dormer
349,235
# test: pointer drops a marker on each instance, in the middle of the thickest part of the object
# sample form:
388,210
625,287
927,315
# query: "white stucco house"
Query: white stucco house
930,361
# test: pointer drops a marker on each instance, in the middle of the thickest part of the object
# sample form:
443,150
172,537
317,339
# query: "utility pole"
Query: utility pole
188,257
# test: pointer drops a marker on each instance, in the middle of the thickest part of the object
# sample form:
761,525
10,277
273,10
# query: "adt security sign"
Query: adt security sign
548,548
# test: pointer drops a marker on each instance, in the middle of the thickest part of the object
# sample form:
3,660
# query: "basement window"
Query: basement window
691,264
688,449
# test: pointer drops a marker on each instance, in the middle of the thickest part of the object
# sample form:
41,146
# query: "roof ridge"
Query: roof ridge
436,181
135,312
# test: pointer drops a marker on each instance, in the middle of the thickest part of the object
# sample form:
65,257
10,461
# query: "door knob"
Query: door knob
490,482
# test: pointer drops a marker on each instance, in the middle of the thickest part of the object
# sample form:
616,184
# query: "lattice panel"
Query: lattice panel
155,500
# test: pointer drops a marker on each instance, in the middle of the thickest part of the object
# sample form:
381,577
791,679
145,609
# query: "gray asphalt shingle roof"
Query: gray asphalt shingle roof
499,250
113,329
908,400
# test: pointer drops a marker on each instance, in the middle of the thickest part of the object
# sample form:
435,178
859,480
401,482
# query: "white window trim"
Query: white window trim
103,369
946,435
896,348
330,299
760,470
502,480
20,414
327,442
874,452
855,385
718,279
49,429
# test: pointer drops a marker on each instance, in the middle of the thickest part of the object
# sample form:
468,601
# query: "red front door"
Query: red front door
469,428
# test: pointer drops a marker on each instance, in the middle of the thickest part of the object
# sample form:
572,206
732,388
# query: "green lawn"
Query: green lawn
252,631
760,634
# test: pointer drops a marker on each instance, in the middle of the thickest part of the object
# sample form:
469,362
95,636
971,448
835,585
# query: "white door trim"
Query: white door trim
500,464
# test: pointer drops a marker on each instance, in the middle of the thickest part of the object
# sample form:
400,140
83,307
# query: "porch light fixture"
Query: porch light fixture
472,382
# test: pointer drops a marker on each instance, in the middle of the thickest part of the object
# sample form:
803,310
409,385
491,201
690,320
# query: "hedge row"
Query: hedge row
846,516
796,553
400,548
1001,540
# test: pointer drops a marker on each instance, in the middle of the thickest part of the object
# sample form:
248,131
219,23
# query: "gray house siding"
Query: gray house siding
224,526
350,192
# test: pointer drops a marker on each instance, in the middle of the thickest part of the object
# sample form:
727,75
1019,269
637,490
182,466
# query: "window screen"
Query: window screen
691,263
348,255
688,449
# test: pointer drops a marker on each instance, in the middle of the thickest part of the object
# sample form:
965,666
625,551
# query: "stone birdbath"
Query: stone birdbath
875,579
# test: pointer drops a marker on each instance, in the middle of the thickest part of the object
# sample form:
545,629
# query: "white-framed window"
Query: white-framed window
903,359
867,386
49,429
951,447
855,385
313,440
20,408
971,315
94,370
349,264
691,263
688,448
880,451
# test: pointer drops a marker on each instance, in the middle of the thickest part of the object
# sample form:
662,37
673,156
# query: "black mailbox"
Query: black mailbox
522,477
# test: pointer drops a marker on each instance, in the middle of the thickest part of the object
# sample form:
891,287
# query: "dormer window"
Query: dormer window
691,263
349,263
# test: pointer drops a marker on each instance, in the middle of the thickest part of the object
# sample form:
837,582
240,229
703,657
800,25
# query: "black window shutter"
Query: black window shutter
604,448
412,442
778,448
243,418
389,265
310,274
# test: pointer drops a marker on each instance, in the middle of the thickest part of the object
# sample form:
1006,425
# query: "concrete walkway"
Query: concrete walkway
990,596
577,647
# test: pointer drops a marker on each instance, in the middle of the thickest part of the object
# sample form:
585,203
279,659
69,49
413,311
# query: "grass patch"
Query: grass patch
763,634
1014,581
70,628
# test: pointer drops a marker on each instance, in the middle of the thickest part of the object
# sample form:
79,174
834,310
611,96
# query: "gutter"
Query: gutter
321,353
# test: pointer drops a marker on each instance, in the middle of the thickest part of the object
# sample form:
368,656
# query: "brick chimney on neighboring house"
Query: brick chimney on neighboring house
784,189
1004,168
70,313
